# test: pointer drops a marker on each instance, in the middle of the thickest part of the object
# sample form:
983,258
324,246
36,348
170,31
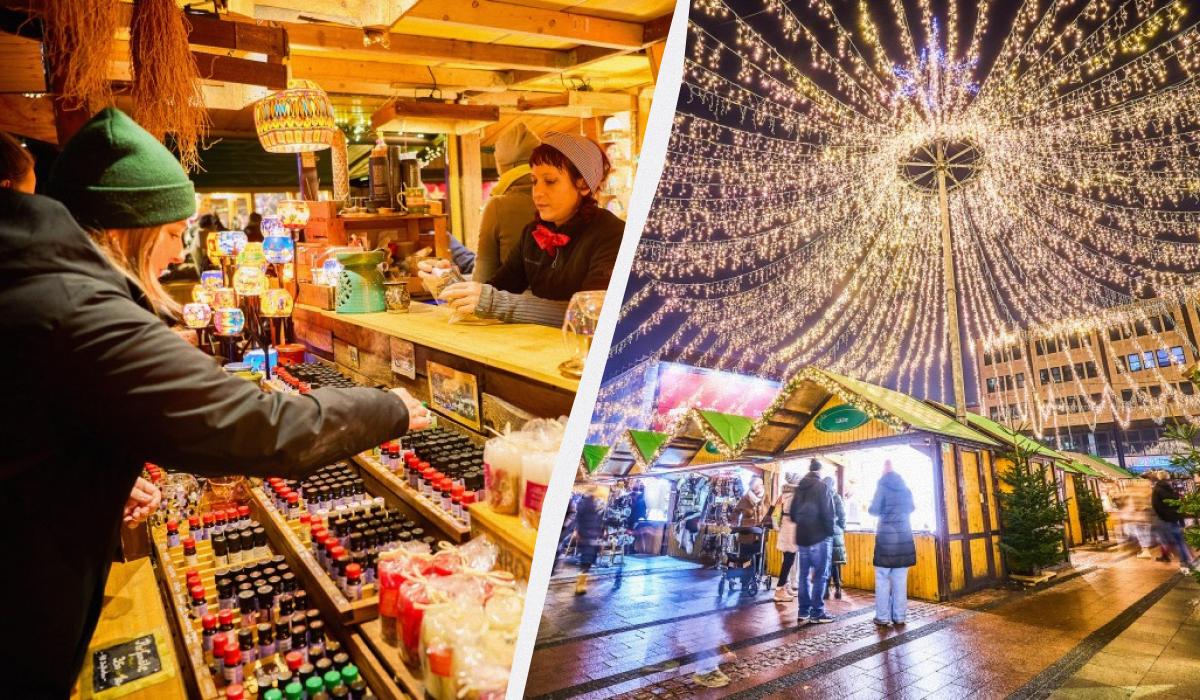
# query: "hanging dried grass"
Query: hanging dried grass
79,40
166,82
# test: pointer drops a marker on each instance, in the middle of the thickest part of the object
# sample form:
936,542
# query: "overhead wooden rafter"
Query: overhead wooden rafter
568,103
377,78
421,116
532,21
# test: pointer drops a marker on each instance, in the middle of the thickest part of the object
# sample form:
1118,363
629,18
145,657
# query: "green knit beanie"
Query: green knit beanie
114,174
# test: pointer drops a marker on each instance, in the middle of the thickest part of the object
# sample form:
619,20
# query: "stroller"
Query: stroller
743,561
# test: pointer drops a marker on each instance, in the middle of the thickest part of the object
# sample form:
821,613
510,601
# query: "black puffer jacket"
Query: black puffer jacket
893,504
812,510
94,385
1163,491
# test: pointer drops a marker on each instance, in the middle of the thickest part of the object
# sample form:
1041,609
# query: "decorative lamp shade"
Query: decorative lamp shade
295,120
230,243
272,226
211,248
197,314
200,295
252,254
293,213
249,281
212,279
229,321
276,303
332,272
223,297
279,248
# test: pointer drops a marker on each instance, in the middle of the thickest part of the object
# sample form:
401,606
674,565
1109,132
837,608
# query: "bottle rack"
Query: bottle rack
379,480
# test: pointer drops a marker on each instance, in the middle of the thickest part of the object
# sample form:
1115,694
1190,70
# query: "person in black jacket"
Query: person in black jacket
95,385
895,550
812,512
570,247
1170,521
589,533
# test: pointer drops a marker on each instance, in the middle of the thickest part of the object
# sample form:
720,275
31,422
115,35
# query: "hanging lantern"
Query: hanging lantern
212,249
223,297
200,295
295,120
271,226
276,303
212,279
197,315
230,243
279,249
229,321
252,254
249,281
293,213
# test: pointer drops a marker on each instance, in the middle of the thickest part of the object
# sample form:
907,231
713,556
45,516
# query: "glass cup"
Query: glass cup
579,327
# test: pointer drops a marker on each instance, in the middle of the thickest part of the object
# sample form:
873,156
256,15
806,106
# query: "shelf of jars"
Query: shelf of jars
244,619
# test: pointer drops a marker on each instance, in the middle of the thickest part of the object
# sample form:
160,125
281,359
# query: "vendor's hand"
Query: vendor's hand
142,502
418,415
463,297
428,265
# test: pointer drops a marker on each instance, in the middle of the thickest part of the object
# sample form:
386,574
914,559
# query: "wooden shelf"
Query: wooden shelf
322,589
454,529
379,221
388,658
515,541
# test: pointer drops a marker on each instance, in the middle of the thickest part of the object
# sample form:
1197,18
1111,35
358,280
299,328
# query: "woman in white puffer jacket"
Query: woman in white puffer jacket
785,541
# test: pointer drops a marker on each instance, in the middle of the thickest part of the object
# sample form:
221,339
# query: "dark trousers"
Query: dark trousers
785,568
587,556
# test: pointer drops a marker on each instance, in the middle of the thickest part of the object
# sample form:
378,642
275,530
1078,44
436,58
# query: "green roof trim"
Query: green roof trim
1007,435
732,429
593,456
1105,468
1085,469
911,411
648,443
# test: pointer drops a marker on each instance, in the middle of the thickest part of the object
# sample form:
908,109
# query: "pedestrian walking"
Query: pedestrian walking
785,541
895,550
1169,521
589,534
812,513
837,550
1138,516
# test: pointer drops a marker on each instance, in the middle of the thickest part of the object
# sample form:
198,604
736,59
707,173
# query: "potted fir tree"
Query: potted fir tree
1032,518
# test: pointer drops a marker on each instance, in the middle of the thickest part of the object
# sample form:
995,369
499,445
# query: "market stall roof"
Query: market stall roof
697,437
803,396
1104,467
1007,436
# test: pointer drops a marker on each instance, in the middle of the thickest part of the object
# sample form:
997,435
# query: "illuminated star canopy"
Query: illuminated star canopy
796,221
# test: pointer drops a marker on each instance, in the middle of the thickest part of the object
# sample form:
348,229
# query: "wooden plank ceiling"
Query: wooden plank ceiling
510,53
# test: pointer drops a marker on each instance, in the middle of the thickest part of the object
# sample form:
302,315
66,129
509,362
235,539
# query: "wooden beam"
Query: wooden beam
656,30
415,116
31,117
237,36
532,21
227,69
348,44
655,52
357,13
23,68
375,78
471,181
569,103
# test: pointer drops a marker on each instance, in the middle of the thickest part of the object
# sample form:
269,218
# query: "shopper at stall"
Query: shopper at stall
570,247
785,540
812,512
589,534
103,386
1169,521
510,208
16,166
837,548
895,550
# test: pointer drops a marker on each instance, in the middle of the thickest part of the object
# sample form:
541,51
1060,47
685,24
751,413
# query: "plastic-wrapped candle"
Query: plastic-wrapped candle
279,249
197,314
201,295
212,279
229,321
230,243
249,281
332,269
252,254
536,468
276,303
223,298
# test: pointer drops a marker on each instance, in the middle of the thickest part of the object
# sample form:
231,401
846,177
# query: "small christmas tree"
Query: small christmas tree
1031,515
1091,509
1188,459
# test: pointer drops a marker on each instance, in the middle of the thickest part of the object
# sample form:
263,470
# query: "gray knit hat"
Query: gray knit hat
514,147
583,153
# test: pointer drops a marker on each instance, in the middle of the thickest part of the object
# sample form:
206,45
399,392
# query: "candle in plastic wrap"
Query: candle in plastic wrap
502,474
223,298
201,295
279,249
276,303
249,281
252,254
212,279
197,314
411,600
446,632
536,468
230,243
229,321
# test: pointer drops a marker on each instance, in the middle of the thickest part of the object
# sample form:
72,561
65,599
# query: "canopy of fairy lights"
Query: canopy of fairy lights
796,222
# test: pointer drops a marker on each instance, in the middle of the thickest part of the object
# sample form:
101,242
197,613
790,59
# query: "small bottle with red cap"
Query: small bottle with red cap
189,551
194,528
225,621
293,505
467,499
220,640
233,663
172,533
199,603
208,631
235,692
353,587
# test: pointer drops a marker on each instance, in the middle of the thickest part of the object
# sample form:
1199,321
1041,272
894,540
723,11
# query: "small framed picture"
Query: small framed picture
454,394
404,358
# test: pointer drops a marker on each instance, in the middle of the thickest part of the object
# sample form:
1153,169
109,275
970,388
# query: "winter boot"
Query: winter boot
581,584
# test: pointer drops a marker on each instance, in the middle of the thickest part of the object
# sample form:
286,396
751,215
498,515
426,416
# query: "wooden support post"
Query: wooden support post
454,192
471,174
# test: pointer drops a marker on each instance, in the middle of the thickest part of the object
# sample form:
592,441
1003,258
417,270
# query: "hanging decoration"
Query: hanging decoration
341,168
167,99
78,41
296,120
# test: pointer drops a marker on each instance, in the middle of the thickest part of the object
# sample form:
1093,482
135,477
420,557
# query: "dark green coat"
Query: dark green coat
839,530
94,385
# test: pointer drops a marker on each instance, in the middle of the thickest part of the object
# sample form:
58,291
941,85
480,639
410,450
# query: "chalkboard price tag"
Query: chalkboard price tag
124,663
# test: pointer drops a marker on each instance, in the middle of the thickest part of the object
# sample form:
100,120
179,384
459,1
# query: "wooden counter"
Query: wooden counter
133,608
517,363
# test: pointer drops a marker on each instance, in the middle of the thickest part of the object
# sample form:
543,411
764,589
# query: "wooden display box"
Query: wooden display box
324,223
515,541
318,295
306,254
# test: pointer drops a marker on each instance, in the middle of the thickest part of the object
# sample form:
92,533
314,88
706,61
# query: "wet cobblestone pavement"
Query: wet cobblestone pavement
646,637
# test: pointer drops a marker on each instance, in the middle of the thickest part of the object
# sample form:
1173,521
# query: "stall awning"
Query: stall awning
1008,436
1105,468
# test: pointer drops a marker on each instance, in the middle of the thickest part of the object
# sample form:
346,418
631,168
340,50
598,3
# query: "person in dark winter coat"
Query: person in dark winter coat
1170,522
97,385
895,550
837,550
589,534
812,512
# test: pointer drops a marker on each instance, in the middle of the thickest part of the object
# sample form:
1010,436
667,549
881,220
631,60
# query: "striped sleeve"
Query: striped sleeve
519,308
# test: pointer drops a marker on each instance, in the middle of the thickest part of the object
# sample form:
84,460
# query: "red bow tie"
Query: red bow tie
549,241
